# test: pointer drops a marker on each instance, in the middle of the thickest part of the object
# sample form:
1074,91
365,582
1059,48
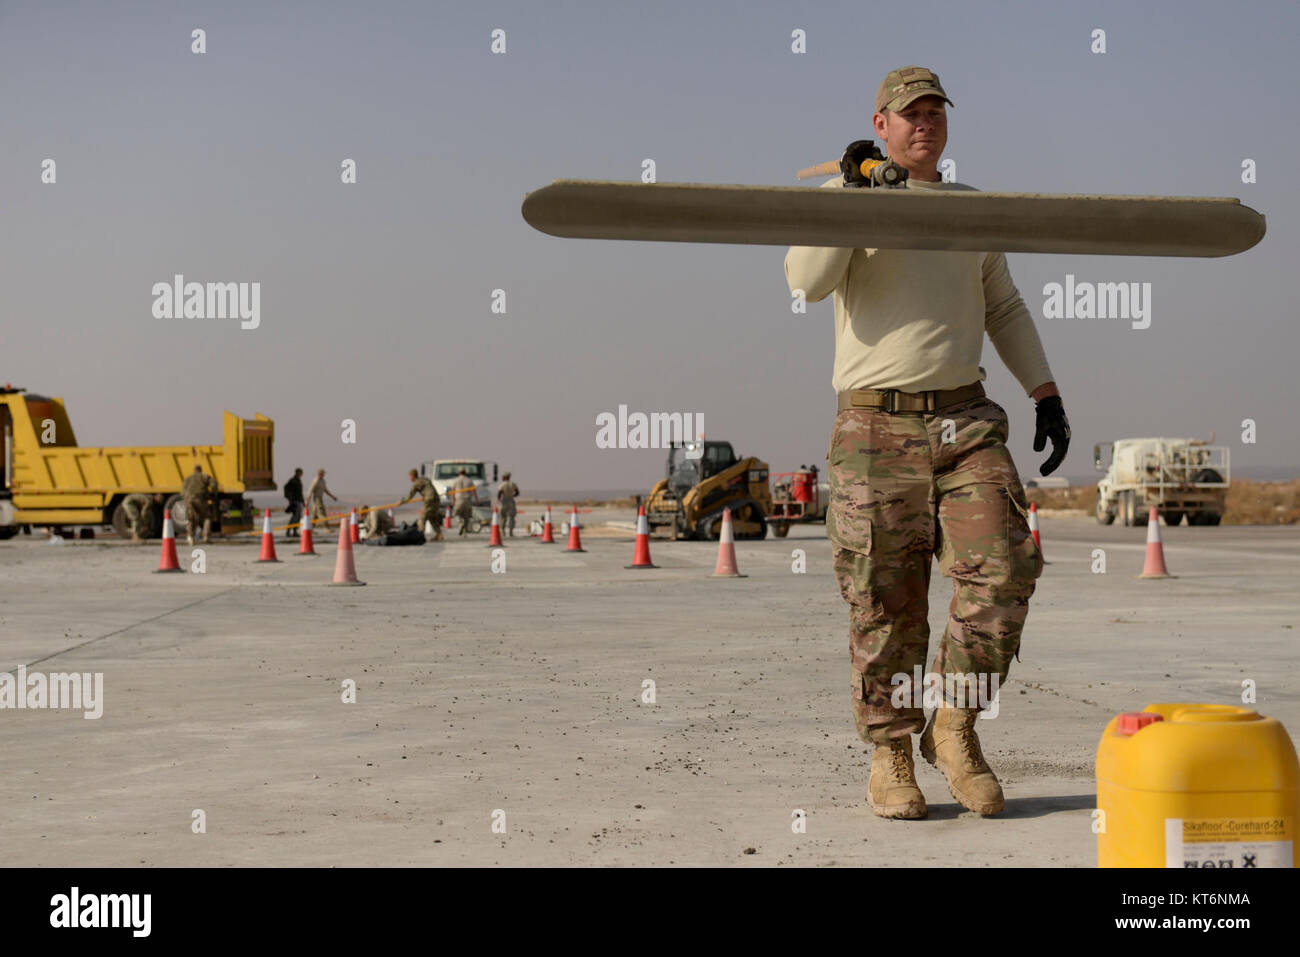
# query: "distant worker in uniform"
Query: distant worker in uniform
465,498
293,495
507,492
196,490
919,467
137,507
378,521
432,513
316,496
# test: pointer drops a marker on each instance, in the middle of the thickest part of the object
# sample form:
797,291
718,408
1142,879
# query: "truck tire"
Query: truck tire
781,529
1103,517
120,523
1211,518
1172,519
180,521
1140,515
8,531
1207,475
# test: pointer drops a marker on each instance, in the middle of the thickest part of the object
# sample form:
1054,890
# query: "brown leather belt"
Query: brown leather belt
893,401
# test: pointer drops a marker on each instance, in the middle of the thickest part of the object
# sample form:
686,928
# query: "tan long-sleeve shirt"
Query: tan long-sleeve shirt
915,320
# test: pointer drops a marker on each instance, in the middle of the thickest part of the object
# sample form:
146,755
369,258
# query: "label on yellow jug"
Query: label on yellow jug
1228,842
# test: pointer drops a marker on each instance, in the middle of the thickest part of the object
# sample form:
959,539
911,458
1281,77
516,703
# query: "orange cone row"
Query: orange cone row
345,570
1153,567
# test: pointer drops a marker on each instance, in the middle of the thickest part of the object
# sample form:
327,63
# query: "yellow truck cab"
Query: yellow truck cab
46,479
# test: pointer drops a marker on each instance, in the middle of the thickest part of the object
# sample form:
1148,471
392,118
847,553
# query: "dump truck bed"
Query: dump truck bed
47,479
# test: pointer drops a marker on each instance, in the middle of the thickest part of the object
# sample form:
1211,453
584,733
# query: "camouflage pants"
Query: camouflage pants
464,512
904,488
433,514
507,519
196,513
138,517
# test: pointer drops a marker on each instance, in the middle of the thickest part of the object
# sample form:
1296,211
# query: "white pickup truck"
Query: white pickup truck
1178,476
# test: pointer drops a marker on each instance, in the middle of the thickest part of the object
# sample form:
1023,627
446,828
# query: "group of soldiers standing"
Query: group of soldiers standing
199,491
464,497
378,521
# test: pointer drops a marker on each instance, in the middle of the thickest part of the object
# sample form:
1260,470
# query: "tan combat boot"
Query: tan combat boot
949,743
892,790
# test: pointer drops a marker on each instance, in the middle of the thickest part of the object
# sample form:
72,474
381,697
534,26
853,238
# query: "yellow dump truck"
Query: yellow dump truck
46,479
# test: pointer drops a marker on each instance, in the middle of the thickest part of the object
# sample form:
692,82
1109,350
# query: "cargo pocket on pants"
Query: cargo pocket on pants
1026,559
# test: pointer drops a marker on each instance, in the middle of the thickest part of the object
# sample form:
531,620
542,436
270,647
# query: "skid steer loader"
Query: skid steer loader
703,478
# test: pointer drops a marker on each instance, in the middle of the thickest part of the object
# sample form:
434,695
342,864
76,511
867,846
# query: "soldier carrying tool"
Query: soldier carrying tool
919,467
432,513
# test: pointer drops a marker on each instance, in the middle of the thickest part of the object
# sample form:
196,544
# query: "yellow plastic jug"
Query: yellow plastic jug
1196,785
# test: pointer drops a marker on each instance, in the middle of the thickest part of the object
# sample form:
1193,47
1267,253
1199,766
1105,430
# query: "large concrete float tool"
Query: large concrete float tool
895,218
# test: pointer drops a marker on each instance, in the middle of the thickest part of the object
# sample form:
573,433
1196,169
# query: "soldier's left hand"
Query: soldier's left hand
1051,424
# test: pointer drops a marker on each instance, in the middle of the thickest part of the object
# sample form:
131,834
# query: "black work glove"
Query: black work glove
1051,424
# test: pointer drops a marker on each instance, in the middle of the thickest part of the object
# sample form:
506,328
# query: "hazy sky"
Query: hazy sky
375,297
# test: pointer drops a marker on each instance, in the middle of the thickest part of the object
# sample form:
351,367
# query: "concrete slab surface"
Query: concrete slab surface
520,692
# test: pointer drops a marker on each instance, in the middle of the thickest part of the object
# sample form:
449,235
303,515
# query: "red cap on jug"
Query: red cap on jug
1131,722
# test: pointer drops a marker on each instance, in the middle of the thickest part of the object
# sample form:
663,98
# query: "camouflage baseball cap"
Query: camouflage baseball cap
910,83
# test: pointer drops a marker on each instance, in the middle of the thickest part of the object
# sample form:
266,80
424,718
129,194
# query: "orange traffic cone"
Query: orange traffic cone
305,545
268,540
446,521
495,540
575,540
548,537
726,567
641,553
354,528
168,562
1033,529
345,569
1155,563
